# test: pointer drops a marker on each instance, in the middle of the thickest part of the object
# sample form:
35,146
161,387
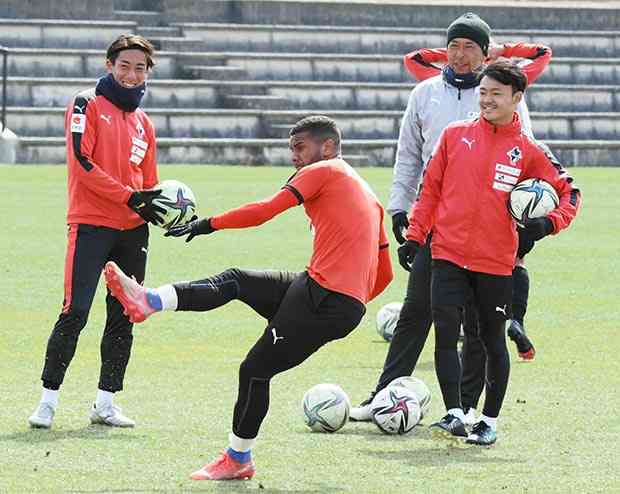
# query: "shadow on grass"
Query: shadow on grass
220,486
91,432
439,456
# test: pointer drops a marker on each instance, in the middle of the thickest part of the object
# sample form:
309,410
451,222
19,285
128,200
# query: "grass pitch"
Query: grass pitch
559,429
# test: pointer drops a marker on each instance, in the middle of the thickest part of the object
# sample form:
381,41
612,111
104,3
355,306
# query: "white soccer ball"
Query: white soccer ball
387,317
532,198
179,202
325,407
395,410
419,388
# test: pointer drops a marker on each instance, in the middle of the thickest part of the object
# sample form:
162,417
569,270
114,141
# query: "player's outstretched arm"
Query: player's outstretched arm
248,215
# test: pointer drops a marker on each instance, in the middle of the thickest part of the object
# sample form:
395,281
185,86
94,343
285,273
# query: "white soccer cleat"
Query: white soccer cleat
42,417
470,417
111,416
362,413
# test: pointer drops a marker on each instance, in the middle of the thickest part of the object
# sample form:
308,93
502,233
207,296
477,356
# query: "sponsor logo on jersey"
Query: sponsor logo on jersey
138,150
78,123
506,177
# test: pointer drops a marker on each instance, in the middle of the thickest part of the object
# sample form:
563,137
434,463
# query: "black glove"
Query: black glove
406,254
526,243
192,229
400,223
537,228
141,201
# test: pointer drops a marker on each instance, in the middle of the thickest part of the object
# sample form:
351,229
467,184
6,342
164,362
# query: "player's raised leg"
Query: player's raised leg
261,290
309,317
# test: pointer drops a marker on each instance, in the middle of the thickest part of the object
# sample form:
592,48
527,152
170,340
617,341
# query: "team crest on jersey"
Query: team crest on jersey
140,129
514,155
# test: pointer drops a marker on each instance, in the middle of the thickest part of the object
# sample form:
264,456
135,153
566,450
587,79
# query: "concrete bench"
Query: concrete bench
27,91
226,123
276,152
32,62
396,40
44,33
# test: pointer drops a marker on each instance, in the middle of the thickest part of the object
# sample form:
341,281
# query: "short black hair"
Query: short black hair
506,72
131,42
319,126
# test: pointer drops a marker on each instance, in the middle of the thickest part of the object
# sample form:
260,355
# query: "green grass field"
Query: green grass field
559,429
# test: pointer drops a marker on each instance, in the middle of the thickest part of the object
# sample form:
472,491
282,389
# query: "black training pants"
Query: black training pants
302,317
412,330
89,248
492,294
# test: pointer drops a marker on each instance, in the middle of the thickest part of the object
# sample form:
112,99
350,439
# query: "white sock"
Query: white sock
168,296
240,444
104,399
50,396
458,413
490,421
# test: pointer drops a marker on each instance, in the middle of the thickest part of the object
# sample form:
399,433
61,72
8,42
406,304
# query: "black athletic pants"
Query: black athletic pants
89,248
302,317
412,330
492,294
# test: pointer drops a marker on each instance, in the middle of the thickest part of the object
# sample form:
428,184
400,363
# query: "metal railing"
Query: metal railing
5,55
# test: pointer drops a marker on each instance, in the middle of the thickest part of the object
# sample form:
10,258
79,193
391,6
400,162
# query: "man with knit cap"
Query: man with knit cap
446,94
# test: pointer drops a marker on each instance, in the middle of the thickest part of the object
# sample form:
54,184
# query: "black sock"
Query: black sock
51,385
520,293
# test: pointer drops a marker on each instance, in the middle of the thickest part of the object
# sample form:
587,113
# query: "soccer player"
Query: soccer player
111,160
447,95
426,63
304,311
463,199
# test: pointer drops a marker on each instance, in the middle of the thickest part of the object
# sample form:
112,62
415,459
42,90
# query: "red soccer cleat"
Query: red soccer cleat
128,292
225,468
529,355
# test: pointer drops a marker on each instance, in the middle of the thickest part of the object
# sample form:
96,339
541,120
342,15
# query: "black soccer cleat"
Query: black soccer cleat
516,332
449,427
482,435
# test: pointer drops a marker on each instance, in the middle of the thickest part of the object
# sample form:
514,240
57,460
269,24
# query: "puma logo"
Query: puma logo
469,143
80,109
275,336
107,118
501,309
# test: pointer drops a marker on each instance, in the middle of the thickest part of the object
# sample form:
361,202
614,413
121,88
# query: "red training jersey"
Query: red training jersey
466,188
110,154
427,62
350,253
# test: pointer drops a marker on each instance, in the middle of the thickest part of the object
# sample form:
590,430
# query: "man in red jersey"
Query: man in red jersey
464,195
304,310
111,161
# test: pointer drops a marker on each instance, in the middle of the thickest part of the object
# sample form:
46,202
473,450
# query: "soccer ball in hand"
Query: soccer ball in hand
325,407
179,202
532,198
395,410
387,317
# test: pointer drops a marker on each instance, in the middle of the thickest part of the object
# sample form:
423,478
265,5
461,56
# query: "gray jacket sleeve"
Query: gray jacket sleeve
524,115
409,166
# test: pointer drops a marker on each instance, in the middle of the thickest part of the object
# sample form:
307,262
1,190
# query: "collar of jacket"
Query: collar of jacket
460,81
511,128
127,99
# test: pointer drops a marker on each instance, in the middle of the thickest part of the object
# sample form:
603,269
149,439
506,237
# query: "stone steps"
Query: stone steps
389,40
41,91
276,152
232,66
46,33
233,123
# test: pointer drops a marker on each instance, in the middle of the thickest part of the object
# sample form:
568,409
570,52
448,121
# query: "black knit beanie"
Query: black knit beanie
472,27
